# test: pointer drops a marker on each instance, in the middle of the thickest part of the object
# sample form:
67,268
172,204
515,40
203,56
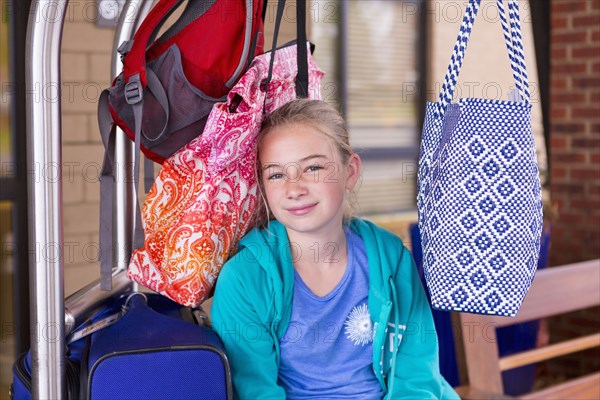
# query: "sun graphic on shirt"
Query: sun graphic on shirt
358,326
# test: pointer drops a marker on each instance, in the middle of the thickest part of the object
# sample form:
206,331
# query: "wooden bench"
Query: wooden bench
554,291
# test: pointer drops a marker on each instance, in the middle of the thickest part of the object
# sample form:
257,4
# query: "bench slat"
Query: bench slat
548,352
557,290
584,388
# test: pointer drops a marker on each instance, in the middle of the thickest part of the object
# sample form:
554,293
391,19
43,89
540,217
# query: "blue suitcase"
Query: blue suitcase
149,347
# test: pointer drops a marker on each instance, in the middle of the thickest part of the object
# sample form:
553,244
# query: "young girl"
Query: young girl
317,304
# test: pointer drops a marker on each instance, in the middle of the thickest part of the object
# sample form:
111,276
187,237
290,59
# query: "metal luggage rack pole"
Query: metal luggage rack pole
81,304
48,313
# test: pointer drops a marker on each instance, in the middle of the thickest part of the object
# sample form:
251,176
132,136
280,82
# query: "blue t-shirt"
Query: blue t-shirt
327,351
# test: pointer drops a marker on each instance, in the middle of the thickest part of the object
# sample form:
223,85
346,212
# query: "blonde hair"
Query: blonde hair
318,115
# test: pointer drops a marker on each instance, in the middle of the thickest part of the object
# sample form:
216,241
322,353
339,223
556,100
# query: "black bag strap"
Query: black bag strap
302,53
302,77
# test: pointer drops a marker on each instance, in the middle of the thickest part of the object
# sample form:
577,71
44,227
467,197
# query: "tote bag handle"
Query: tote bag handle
514,44
301,51
515,52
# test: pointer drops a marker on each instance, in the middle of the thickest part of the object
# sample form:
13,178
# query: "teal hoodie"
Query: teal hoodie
253,303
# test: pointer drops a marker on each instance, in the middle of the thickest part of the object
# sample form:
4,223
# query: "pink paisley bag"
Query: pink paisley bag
204,197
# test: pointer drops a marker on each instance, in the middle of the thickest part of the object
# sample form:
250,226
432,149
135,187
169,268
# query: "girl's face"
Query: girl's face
305,179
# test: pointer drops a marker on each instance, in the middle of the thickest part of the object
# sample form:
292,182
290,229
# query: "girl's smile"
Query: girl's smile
302,210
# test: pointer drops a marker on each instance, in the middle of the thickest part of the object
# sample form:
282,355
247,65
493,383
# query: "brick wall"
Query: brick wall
85,71
575,165
575,129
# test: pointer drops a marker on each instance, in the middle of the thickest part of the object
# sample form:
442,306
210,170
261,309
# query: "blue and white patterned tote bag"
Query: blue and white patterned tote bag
479,197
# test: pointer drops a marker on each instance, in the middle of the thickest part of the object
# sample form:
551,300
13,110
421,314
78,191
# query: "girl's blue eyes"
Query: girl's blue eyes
279,175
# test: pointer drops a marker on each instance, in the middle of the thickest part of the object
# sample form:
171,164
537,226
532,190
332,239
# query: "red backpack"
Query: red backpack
177,79
168,86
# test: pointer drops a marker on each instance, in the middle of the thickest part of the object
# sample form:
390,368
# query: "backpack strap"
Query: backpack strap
148,174
107,182
107,191
107,176
134,73
135,60
247,46
192,11
258,34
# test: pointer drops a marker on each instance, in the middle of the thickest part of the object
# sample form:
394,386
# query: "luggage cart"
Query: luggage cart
52,316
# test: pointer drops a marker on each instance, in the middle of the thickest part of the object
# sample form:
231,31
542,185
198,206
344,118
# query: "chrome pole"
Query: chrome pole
125,200
44,35
80,305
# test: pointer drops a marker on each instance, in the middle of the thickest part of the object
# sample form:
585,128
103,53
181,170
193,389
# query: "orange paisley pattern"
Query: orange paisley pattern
204,197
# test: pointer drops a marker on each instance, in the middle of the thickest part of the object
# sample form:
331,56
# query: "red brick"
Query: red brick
569,68
558,142
558,82
568,128
560,241
586,20
568,157
586,112
582,319
587,237
568,6
558,54
568,97
594,189
595,128
571,217
594,221
559,22
558,173
595,98
586,52
568,37
558,113
586,143
585,173
560,203
596,36
596,67
586,83
592,253
586,204
567,188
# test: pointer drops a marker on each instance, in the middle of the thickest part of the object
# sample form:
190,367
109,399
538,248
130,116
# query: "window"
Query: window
372,52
